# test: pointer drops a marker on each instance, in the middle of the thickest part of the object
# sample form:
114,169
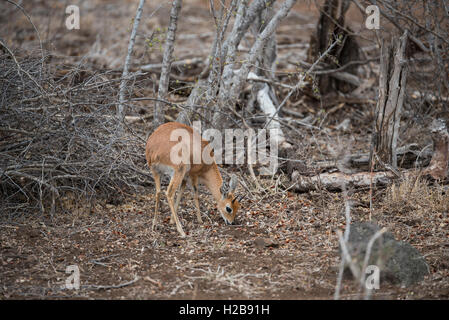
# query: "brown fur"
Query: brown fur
157,153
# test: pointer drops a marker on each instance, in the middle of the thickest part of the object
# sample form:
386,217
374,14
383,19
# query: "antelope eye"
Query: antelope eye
228,209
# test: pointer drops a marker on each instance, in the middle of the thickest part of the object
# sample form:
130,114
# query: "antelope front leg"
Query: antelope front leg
174,184
157,181
195,198
178,199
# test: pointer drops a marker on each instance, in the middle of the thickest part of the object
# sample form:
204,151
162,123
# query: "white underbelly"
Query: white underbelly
163,169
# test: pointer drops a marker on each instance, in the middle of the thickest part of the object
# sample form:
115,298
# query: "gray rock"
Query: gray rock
398,261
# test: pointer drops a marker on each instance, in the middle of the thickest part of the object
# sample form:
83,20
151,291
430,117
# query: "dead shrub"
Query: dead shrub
58,136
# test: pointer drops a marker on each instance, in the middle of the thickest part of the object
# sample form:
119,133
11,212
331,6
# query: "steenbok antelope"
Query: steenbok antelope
161,155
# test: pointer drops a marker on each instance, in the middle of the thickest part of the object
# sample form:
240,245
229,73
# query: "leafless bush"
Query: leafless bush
58,136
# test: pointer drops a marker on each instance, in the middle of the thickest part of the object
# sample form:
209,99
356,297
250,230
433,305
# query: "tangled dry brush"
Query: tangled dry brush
59,136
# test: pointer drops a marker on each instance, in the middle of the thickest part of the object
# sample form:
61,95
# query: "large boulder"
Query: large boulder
398,262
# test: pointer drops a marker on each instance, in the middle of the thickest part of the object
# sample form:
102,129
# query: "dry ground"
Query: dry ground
285,244
284,247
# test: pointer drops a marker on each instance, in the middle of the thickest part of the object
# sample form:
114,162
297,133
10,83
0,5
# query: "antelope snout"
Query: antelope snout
230,223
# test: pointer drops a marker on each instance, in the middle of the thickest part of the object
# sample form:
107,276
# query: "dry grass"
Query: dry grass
418,196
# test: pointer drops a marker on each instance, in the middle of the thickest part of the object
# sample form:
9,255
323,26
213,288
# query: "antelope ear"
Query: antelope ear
223,190
232,183
239,199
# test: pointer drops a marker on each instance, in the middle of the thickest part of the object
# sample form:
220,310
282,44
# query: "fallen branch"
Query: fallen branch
334,181
121,285
124,81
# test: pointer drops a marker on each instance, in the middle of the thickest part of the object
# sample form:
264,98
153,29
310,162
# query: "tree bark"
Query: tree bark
224,100
124,81
158,118
266,67
392,87
331,27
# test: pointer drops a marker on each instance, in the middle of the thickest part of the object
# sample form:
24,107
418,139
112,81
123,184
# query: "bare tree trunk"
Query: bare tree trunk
217,59
234,81
124,81
228,69
214,92
331,27
265,67
158,118
190,106
209,87
256,50
392,87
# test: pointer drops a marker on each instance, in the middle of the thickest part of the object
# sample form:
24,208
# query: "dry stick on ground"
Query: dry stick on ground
408,156
121,285
166,63
124,80
337,73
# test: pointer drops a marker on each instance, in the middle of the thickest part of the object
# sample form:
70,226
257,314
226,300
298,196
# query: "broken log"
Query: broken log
392,87
335,181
